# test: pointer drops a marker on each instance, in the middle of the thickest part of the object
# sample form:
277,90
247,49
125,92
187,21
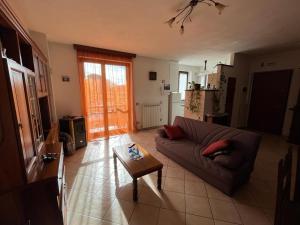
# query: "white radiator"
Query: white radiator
151,115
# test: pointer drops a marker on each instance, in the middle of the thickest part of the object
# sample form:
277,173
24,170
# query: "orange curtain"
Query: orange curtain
107,94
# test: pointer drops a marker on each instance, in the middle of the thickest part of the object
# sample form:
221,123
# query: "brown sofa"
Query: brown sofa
198,135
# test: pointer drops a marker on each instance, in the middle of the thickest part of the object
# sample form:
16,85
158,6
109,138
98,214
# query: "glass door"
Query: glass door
94,100
105,99
117,99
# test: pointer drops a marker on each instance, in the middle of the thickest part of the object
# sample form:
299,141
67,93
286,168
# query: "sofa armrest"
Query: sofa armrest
162,133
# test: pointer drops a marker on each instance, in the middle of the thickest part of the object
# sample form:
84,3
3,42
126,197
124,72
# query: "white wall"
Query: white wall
66,94
149,91
282,61
41,40
240,71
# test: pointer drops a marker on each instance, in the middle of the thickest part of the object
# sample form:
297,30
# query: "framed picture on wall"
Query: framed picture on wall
152,75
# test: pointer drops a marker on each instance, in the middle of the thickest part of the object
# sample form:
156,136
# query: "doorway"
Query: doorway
106,98
269,97
230,97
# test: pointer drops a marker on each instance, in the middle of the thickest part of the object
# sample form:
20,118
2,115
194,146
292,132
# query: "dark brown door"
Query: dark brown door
230,97
269,100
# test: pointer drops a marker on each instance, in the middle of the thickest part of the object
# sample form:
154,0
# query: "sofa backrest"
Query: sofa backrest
206,133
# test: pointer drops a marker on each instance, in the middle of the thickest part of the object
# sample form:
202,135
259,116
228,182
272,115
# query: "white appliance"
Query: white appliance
176,106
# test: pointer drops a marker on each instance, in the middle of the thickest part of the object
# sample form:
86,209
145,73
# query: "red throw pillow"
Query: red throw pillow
216,146
174,132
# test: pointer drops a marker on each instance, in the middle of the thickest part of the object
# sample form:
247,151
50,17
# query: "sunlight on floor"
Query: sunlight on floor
100,192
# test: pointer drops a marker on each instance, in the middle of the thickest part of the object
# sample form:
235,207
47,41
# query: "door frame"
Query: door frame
249,96
234,98
103,62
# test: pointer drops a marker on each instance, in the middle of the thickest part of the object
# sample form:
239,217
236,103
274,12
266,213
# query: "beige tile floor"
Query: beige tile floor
100,195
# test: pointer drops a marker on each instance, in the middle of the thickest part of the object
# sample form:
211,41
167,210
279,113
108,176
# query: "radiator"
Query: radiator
151,115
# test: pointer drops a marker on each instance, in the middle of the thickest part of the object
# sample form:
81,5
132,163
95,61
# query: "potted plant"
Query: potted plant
216,101
194,86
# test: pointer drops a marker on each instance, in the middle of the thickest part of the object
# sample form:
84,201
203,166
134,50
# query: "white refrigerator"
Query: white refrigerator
176,106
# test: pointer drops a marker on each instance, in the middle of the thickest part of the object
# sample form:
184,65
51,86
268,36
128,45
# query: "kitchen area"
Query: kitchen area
199,98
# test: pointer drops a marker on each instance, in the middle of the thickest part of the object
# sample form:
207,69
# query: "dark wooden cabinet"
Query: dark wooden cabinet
18,89
35,116
12,165
31,191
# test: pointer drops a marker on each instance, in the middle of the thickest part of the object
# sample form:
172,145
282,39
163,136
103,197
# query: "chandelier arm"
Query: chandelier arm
187,15
182,18
182,10
179,10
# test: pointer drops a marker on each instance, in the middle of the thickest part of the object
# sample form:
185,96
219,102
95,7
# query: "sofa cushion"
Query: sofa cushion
162,133
231,161
182,148
174,132
216,146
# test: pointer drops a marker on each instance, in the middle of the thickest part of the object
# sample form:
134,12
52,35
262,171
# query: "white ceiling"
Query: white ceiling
138,26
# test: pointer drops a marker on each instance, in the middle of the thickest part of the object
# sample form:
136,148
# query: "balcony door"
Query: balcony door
106,98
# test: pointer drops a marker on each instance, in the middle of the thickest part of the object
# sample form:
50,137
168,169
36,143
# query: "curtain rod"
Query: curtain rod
104,51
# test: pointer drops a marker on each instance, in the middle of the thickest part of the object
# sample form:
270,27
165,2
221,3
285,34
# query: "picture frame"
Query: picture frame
152,75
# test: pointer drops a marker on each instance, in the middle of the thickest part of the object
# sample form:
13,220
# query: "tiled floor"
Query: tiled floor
100,195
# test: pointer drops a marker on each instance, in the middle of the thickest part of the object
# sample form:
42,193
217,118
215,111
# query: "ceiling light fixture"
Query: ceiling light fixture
185,12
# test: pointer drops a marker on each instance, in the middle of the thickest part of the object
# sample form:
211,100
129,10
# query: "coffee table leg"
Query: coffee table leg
159,174
135,190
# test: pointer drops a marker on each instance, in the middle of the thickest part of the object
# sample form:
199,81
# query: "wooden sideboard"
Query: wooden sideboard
31,191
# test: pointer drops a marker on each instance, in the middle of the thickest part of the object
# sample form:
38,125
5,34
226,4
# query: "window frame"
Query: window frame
187,80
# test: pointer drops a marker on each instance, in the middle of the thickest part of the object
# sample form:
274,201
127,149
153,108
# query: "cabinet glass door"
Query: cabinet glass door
36,124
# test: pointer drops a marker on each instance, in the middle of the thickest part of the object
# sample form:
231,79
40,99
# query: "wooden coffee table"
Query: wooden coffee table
138,168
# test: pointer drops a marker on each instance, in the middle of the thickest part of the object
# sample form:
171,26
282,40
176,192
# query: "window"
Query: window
202,80
182,83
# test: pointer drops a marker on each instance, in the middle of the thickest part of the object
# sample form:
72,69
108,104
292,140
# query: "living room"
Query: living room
205,95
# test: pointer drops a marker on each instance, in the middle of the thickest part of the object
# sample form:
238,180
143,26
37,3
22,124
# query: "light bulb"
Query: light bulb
171,21
182,29
220,7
